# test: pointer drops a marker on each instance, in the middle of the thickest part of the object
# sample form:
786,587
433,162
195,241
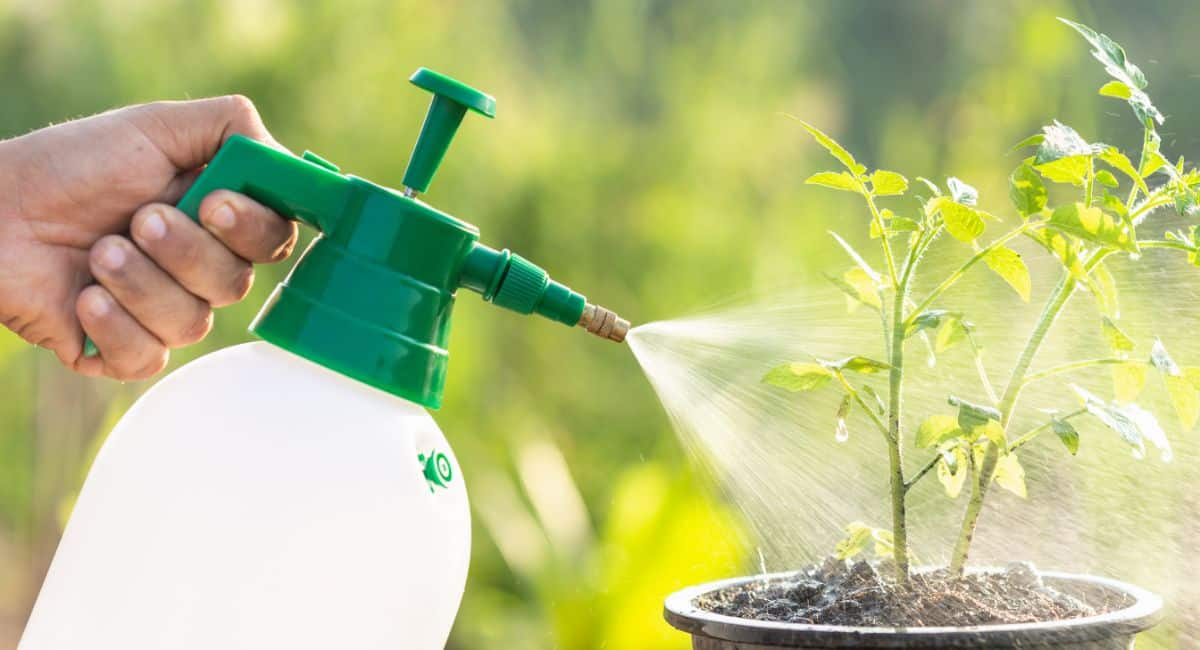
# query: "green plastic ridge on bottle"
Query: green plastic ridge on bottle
372,296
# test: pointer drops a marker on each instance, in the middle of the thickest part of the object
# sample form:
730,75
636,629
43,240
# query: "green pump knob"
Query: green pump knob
451,99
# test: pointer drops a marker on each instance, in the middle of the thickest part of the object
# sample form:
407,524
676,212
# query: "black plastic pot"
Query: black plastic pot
1112,631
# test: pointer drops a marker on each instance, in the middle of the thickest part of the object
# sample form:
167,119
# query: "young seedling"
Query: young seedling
973,446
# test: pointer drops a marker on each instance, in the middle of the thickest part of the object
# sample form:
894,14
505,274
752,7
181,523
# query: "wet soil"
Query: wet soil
865,594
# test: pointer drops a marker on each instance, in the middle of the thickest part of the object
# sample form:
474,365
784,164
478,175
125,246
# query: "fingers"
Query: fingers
249,229
192,256
190,132
153,298
127,350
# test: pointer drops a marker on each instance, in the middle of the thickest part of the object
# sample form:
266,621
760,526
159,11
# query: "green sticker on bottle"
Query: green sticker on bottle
436,468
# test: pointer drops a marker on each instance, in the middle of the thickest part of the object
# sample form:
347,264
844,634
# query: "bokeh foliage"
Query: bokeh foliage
639,155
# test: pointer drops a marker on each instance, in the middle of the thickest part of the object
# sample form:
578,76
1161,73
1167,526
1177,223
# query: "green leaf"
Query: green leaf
1072,169
961,192
971,415
952,471
1128,381
1163,361
994,432
1008,264
1032,141
1185,399
1118,340
798,376
836,180
1132,81
833,147
1116,89
860,364
1120,162
1062,141
1067,434
1094,225
933,188
1010,475
1106,178
1134,424
1103,288
952,331
963,222
927,320
858,286
1065,248
885,183
1026,190
937,429
859,536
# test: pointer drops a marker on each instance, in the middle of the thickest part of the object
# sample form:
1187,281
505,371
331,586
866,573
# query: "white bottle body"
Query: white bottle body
255,500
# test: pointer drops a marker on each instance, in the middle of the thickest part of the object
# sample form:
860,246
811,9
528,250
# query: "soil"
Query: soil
864,594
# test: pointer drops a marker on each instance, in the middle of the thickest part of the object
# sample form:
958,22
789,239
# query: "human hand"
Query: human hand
91,201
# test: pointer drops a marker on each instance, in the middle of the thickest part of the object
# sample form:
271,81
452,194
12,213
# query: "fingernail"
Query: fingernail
153,227
223,217
112,258
100,306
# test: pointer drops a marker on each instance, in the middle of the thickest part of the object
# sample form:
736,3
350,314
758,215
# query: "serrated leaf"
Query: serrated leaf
1131,82
1071,169
937,429
1128,381
952,471
833,147
961,192
1162,361
885,183
860,364
836,180
1120,162
1116,89
1008,264
1094,225
963,222
1118,340
1026,190
798,376
1010,475
1062,141
1185,400
1103,288
1067,434
1034,140
1134,424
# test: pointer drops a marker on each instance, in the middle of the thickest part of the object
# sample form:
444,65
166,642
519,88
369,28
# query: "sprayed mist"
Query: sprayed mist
777,456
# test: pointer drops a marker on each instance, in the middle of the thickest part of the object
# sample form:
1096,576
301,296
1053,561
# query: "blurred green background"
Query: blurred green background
640,155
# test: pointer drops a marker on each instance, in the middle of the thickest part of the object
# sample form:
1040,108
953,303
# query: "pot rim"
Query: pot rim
1142,614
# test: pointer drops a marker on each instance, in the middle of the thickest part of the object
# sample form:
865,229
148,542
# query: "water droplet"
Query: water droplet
843,432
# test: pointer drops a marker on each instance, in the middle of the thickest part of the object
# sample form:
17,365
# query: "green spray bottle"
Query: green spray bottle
294,492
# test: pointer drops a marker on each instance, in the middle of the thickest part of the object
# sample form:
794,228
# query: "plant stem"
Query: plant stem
982,253
1147,130
983,474
1076,365
1036,431
1177,245
895,446
887,247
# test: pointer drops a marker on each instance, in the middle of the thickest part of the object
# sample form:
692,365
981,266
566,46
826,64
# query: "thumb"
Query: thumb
189,133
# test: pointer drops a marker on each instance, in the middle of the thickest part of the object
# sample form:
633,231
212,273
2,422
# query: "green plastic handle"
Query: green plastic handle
451,99
308,188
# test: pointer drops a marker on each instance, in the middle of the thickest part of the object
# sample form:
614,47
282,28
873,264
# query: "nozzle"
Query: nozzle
604,323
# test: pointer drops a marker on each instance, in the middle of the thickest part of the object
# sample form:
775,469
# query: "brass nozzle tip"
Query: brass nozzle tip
604,323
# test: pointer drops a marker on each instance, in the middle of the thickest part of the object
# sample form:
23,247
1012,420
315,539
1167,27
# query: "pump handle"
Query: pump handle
451,99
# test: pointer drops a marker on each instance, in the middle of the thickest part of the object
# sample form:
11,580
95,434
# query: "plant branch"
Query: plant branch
928,467
982,253
1076,365
1038,430
857,397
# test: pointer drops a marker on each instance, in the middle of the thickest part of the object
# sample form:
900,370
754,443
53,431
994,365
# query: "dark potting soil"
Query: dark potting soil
865,595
